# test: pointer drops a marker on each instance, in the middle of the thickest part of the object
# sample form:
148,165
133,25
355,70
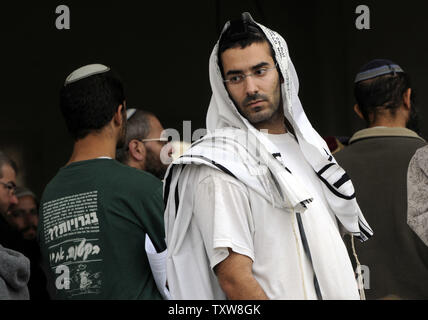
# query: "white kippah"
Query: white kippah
130,113
22,192
85,71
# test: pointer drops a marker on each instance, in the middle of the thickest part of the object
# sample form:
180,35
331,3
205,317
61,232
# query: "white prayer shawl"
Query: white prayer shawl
234,146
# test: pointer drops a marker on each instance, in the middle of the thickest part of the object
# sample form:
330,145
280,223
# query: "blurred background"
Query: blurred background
161,50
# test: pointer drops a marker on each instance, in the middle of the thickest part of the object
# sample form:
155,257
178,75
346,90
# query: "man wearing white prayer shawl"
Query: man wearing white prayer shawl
253,208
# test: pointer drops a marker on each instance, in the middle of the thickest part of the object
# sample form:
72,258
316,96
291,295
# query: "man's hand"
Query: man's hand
236,278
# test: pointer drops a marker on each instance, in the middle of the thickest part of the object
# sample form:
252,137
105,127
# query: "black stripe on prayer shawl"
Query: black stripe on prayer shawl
334,191
176,195
168,188
226,139
305,202
275,155
213,139
222,168
165,200
308,254
325,169
365,229
197,142
168,184
330,156
278,155
176,199
345,178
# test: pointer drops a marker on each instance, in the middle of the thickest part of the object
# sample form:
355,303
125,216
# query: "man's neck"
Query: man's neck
275,125
385,118
135,164
390,123
93,146
273,130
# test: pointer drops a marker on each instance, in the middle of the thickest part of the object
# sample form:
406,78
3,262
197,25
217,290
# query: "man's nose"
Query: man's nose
31,219
171,149
250,85
14,200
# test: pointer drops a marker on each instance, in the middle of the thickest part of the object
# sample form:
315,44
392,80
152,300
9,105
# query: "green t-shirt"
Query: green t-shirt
94,217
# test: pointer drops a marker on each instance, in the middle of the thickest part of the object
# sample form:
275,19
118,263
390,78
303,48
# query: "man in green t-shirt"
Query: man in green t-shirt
95,213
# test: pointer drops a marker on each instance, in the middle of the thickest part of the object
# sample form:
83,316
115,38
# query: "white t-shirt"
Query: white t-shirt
229,215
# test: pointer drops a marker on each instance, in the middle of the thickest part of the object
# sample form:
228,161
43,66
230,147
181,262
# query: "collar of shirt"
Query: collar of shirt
383,132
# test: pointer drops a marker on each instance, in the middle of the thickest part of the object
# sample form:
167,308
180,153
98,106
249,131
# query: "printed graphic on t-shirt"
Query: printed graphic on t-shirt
71,235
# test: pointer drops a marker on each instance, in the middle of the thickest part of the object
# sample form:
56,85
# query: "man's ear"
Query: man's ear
137,150
358,111
119,115
407,99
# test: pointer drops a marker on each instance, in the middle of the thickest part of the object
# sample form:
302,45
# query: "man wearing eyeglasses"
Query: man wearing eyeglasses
8,236
252,206
7,182
145,148
14,266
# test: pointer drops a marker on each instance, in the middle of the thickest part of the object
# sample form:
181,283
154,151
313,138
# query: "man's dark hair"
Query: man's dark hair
382,93
241,33
138,127
5,160
90,103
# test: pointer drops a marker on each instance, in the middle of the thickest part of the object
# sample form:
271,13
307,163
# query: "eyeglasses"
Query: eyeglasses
19,213
162,139
9,186
155,139
259,73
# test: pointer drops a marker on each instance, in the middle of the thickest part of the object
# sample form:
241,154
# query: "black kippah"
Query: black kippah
376,68
240,28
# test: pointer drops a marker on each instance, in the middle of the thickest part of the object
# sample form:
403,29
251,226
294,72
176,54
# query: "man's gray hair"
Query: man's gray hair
5,160
137,127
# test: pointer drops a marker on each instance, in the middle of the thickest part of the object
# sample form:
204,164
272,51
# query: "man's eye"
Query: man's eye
260,72
235,79
17,213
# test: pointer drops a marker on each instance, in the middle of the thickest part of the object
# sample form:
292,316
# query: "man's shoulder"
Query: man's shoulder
207,174
135,182
422,152
132,175
118,173
420,158
399,143
108,176
377,152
